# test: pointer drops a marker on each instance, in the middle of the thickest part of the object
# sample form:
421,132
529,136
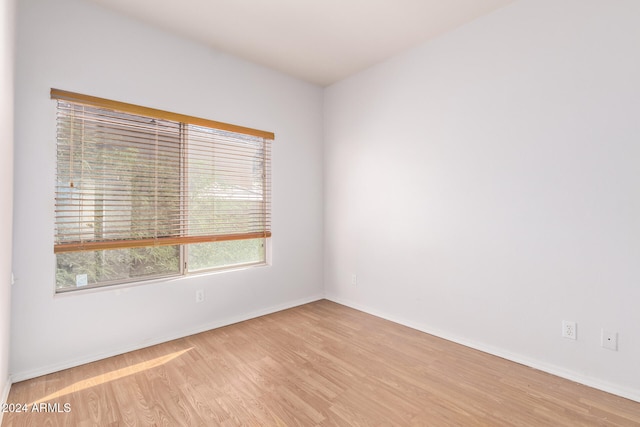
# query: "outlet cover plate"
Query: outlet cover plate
200,295
610,340
569,329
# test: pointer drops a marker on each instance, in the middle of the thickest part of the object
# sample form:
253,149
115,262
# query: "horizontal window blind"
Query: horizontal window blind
131,176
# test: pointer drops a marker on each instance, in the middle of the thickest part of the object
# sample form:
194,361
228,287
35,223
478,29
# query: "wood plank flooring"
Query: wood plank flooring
321,364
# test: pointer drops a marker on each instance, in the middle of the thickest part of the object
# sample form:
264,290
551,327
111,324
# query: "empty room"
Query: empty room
319,213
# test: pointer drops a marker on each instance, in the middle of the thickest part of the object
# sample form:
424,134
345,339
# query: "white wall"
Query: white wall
77,46
6,184
485,186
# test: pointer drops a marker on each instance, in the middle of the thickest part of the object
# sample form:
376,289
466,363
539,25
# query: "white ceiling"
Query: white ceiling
320,41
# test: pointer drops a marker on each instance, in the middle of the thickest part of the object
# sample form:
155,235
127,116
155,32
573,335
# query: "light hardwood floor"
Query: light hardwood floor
321,364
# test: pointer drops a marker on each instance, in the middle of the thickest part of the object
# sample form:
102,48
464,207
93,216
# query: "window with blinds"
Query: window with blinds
143,193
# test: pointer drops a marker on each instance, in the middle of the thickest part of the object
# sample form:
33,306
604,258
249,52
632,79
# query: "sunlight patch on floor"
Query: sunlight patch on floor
112,376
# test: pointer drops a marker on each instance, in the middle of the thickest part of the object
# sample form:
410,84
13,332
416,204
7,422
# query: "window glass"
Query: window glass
145,196
214,255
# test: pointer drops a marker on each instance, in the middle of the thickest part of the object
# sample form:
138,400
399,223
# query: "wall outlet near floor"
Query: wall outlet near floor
354,280
609,340
569,329
200,295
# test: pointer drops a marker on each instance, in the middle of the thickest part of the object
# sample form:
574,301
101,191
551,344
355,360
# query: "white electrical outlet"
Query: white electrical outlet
200,295
609,340
569,329
354,280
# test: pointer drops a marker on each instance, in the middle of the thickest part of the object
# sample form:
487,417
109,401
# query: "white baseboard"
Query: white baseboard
44,370
518,358
5,395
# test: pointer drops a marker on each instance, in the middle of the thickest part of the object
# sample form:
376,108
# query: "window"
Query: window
144,193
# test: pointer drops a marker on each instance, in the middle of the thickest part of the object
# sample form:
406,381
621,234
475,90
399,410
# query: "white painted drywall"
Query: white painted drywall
6,184
485,186
77,46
